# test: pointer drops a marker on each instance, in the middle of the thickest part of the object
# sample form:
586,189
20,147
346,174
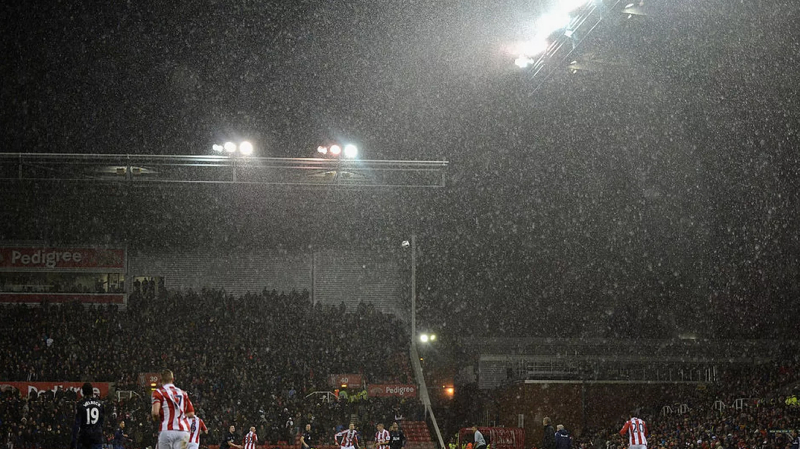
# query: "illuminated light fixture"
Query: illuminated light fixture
433,337
322,150
246,148
217,148
344,385
350,150
230,147
572,5
523,62
549,23
423,338
532,48
336,150
450,391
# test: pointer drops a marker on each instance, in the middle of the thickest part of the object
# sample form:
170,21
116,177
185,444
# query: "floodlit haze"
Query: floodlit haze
667,186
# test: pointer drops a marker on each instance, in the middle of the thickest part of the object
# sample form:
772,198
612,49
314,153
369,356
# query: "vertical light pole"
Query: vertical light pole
423,388
413,288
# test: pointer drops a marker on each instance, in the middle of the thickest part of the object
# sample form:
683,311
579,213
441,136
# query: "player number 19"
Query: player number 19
92,415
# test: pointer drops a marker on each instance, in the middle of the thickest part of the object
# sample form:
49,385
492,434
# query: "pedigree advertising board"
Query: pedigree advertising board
387,390
53,259
26,388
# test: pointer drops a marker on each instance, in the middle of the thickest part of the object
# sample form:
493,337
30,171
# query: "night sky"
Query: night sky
655,198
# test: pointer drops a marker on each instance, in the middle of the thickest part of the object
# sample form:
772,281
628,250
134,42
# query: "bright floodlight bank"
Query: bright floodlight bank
244,148
350,151
562,19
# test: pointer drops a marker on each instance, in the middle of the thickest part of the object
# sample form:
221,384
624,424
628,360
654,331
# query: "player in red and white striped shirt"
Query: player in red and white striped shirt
382,438
196,427
251,439
637,433
172,408
347,439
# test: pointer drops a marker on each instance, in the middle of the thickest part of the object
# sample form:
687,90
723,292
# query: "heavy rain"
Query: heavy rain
454,224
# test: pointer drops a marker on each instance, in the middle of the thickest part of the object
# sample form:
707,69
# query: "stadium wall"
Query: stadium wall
332,276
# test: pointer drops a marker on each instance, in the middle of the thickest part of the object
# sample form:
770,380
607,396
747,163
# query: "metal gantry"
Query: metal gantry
221,169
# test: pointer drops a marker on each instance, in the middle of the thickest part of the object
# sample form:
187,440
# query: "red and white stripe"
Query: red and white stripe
636,430
196,427
175,404
250,440
348,437
382,438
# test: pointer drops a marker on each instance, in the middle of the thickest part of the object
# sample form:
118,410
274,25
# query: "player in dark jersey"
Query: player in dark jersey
87,432
307,438
397,439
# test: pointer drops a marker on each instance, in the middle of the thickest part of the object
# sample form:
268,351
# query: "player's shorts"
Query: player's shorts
637,446
193,446
173,439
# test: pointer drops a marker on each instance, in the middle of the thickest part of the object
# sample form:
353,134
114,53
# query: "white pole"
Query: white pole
413,287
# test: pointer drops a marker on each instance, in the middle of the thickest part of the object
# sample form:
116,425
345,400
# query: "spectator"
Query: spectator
563,440
480,442
549,438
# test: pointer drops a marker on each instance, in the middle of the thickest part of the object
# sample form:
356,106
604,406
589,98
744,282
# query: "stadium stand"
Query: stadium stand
249,360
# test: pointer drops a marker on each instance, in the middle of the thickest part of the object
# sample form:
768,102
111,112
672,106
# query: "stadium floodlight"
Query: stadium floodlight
217,148
322,150
533,48
523,62
550,23
350,150
335,150
246,148
230,147
572,5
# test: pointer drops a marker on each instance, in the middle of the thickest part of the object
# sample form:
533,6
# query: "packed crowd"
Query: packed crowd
263,360
753,408
253,360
